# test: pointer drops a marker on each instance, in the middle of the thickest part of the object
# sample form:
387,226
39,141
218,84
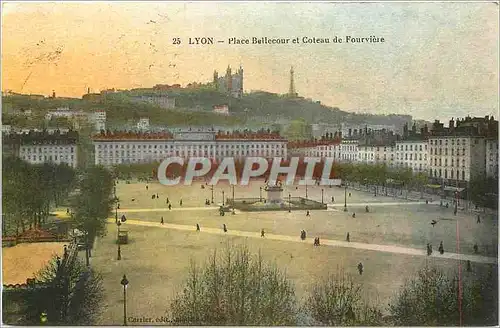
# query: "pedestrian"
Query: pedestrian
367,209
429,249
224,227
469,267
67,211
157,196
180,202
441,248
349,194
307,213
169,206
353,215
333,199
475,248
348,238
161,220
147,188
262,233
360,268
478,219
303,235
197,227
168,201
119,252
426,201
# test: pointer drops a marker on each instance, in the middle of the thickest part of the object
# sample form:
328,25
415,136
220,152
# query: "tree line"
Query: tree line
238,288
30,190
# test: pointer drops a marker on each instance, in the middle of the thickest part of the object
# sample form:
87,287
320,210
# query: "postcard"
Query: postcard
250,164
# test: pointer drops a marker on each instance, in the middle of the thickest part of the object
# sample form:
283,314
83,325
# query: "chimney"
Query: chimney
452,124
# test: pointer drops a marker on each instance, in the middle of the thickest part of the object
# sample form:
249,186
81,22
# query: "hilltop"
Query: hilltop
194,107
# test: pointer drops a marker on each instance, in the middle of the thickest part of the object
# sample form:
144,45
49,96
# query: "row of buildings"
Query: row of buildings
465,149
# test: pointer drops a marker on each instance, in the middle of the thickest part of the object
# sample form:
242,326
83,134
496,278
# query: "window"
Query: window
463,175
446,174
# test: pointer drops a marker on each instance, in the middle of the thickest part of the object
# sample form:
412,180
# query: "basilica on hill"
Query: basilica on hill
230,84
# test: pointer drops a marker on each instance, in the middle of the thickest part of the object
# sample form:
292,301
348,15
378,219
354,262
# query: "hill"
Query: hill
194,107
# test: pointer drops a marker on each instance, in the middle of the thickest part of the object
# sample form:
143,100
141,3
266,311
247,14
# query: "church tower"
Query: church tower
216,80
291,91
229,79
240,73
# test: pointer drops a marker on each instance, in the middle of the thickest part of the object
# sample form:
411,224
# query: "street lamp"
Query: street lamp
306,189
233,200
212,189
222,197
289,203
322,196
124,283
345,197
260,194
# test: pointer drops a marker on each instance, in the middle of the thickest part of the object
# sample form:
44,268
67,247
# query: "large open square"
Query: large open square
390,241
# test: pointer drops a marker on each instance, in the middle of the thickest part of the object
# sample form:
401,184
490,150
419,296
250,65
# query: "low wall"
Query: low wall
255,205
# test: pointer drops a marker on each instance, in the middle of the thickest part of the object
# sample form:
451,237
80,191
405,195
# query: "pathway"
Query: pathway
333,243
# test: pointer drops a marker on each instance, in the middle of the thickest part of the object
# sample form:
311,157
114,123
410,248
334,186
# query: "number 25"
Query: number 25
176,41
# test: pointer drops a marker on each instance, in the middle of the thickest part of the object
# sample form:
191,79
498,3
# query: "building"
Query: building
352,130
412,154
143,124
230,84
66,113
221,109
41,147
98,118
349,150
320,129
459,153
128,147
492,158
6,128
160,100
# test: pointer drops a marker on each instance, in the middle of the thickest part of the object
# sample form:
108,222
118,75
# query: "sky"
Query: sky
439,60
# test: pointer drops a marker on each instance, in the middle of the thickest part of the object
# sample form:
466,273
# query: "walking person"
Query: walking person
180,202
161,220
360,268
475,249
348,238
168,201
333,199
147,188
169,206
308,214
478,219
224,227
262,233
469,267
441,248
197,227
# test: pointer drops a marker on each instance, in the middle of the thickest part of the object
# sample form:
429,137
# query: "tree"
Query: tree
336,301
94,204
235,289
484,192
76,293
431,299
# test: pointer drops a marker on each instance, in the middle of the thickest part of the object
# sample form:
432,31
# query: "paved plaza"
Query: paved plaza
389,240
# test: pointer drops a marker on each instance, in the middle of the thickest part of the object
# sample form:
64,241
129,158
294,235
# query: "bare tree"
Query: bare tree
336,301
235,288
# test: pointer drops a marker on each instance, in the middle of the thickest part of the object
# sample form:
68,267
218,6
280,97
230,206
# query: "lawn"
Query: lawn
156,260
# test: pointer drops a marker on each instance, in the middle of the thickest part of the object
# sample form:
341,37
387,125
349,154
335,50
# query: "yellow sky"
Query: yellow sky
439,59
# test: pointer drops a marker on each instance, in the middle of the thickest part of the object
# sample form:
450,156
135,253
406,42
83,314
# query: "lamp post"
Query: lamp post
222,197
212,189
306,189
124,283
233,200
260,194
345,197
322,196
289,203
